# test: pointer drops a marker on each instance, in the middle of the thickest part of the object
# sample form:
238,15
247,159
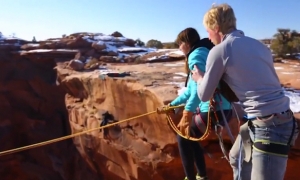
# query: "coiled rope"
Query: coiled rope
168,109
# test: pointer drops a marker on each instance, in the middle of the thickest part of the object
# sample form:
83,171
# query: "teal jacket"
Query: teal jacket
190,97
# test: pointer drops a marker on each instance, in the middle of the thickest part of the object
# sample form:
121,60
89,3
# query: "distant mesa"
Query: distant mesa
85,46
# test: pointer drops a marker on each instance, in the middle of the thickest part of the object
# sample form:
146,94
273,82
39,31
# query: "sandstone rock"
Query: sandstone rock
130,59
76,65
31,46
80,57
33,110
112,53
49,53
129,42
117,34
90,52
108,59
88,44
79,42
11,44
34,102
99,46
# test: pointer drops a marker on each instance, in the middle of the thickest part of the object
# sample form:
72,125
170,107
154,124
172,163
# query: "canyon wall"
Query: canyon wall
42,97
32,110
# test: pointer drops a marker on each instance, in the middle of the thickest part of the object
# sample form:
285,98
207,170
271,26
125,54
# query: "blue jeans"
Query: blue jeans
265,166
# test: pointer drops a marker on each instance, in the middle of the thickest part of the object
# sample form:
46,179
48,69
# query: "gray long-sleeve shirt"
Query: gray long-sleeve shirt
246,65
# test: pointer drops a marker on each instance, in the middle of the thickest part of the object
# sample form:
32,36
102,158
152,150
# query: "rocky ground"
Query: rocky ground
148,87
63,88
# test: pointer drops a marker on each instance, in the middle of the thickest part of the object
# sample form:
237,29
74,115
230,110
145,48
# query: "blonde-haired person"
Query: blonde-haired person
246,65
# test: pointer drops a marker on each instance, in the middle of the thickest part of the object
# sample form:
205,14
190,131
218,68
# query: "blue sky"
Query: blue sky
144,19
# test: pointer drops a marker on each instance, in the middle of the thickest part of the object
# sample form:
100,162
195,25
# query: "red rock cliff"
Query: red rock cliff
32,110
40,102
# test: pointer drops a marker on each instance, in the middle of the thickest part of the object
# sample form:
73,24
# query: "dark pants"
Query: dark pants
191,151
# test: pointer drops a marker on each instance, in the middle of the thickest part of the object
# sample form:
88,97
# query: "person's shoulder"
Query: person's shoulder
200,51
198,55
219,49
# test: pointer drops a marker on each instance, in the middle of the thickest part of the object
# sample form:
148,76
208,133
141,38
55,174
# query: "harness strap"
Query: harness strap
272,148
246,140
275,148
221,142
240,160
265,146
293,131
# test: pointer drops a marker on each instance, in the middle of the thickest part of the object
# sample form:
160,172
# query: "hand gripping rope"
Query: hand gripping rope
168,110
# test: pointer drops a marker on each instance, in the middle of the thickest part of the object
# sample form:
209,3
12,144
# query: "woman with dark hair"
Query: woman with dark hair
195,113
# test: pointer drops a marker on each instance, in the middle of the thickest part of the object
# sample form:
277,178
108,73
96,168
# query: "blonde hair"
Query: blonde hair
221,16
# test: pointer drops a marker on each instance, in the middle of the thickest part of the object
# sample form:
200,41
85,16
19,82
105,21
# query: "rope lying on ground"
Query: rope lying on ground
23,148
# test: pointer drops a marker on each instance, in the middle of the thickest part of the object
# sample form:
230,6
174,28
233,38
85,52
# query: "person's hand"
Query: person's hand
165,109
184,124
197,74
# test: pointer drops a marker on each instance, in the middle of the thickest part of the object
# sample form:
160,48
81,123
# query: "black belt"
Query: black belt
267,116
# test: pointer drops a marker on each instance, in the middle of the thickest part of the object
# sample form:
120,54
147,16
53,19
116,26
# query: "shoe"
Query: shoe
198,178
201,178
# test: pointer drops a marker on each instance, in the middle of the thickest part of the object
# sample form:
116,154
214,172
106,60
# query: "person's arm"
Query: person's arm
182,98
215,67
193,101
197,58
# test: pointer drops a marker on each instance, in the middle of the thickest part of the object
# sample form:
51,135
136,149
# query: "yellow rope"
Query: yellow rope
23,148
166,110
203,137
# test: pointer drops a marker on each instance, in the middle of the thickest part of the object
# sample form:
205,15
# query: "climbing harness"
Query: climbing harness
23,148
270,147
266,146
218,128
166,110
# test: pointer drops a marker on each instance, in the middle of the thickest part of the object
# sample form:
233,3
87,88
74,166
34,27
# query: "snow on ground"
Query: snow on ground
51,50
294,96
176,51
163,50
10,37
165,56
177,84
132,49
278,67
286,73
177,77
104,70
111,44
181,74
174,64
115,44
33,45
